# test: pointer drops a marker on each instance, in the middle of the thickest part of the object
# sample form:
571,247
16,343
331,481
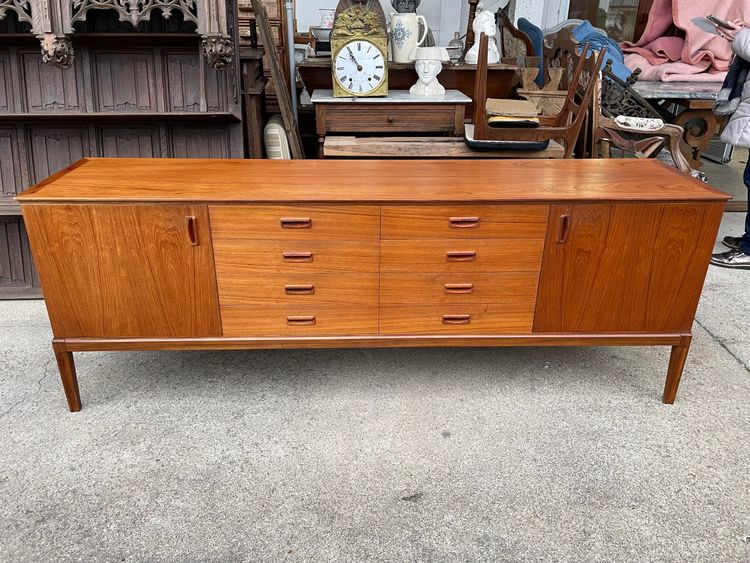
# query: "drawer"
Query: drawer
286,222
354,118
464,221
298,321
469,255
514,318
241,258
298,289
470,288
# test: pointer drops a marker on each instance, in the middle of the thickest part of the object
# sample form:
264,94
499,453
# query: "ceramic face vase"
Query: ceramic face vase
405,36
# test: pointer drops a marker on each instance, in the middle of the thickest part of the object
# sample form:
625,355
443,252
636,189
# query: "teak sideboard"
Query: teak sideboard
231,254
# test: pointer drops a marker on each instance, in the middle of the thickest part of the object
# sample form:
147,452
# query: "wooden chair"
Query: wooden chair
565,127
613,97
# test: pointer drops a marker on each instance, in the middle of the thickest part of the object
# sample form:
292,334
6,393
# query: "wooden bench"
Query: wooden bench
422,147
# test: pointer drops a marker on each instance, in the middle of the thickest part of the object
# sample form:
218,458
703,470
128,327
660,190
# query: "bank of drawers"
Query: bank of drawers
460,270
344,270
297,270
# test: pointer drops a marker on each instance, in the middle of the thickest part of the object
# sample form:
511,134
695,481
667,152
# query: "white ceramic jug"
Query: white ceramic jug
405,36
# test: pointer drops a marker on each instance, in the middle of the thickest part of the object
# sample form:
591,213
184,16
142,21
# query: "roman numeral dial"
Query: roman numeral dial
359,67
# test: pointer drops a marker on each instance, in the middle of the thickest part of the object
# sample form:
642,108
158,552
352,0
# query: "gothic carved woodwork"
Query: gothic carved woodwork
52,22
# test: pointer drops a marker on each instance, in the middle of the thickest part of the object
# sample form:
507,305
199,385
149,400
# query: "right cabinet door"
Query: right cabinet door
625,267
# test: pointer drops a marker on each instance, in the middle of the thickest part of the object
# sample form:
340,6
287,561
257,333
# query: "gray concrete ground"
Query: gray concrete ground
728,177
383,455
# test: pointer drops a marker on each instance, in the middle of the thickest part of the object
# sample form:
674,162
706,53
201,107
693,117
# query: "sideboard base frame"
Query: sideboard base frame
64,348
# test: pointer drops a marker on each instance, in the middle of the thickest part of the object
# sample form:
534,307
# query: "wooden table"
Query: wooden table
399,112
177,254
697,118
501,78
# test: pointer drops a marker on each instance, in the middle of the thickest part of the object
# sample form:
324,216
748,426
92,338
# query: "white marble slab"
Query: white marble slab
393,97
678,90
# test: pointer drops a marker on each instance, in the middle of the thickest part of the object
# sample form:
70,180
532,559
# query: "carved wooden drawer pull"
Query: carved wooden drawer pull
456,319
301,321
192,229
461,256
459,288
299,289
298,256
296,223
564,229
464,222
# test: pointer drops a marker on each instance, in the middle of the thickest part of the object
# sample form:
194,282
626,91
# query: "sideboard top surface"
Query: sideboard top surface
376,181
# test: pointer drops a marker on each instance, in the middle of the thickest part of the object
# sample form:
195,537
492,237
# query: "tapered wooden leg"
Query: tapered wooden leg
674,372
67,367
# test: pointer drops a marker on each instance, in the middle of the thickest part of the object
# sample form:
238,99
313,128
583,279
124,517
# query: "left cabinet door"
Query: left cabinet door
126,270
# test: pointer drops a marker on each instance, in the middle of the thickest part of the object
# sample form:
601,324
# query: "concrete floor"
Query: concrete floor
728,177
384,455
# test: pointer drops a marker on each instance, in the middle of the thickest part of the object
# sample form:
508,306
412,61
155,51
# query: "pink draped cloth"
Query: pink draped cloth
673,48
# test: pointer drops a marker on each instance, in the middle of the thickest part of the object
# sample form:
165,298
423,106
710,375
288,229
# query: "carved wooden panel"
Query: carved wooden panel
53,148
6,91
125,82
183,73
18,277
130,142
11,181
204,142
48,89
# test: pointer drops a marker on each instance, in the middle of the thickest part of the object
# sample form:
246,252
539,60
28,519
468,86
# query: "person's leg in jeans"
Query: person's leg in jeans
739,255
745,242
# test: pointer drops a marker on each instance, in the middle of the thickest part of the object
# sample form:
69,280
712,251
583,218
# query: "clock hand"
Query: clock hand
354,60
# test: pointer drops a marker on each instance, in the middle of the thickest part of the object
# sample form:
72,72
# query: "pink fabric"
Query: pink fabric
687,45
674,72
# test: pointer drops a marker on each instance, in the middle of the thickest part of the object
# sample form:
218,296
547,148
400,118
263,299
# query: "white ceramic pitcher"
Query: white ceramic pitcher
405,36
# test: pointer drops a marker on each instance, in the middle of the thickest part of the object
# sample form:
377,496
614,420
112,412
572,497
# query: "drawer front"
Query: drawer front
458,319
465,221
298,289
298,321
290,222
238,259
470,288
469,255
359,118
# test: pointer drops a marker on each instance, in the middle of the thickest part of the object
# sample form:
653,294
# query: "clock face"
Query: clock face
359,67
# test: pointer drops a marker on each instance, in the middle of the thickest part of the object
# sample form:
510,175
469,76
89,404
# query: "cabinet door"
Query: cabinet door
126,270
625,267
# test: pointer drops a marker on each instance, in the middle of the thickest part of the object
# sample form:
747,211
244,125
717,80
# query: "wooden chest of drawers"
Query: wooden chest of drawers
264,254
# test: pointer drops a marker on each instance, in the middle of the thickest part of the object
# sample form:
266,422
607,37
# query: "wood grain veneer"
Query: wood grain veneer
468,255
143,255
464,221
458,288
328,181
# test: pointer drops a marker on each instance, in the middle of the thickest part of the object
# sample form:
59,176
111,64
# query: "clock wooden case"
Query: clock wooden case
359,49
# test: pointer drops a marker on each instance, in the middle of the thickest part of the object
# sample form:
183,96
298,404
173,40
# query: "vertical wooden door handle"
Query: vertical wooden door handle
564,229
192,229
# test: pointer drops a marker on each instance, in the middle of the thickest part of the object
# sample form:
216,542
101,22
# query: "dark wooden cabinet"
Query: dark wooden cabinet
201,254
